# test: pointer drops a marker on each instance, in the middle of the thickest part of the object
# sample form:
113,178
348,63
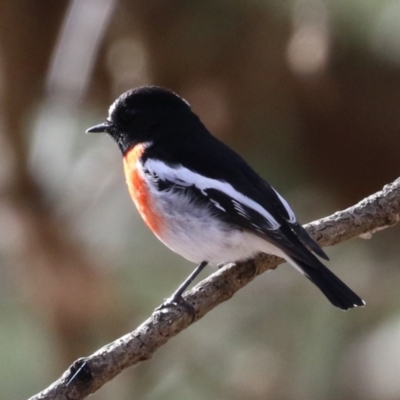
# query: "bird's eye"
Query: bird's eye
127,114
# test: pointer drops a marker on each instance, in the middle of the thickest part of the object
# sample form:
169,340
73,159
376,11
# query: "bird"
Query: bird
202,199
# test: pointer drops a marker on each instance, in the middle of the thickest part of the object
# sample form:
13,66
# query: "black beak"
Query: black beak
105,127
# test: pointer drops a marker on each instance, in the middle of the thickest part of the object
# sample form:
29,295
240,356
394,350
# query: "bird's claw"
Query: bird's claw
176,301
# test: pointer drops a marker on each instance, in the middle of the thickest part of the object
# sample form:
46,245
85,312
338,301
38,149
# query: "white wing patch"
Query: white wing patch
239,209
292,217
216,204
185,177
112,108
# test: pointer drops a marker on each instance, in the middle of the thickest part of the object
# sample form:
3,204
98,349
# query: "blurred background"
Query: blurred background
308,91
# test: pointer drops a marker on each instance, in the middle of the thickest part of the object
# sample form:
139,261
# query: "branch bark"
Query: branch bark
376,212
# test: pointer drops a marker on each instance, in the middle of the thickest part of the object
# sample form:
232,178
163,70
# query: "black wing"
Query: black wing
219,162
205,156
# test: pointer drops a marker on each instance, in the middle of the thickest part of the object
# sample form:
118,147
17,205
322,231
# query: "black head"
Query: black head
131,118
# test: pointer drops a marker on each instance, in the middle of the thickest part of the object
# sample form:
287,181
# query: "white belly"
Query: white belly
195,234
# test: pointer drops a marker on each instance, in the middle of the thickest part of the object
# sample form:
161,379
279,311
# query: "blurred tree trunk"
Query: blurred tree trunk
58,276
350,122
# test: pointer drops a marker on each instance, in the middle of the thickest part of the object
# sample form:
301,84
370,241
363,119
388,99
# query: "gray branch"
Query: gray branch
376,212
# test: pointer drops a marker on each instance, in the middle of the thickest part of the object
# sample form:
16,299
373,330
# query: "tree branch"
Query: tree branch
376,212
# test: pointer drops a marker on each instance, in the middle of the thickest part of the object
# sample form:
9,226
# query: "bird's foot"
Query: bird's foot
177,300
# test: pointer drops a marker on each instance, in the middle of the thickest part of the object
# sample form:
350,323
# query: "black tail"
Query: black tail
331,286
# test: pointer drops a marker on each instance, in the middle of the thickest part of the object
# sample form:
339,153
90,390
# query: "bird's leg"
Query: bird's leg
177,298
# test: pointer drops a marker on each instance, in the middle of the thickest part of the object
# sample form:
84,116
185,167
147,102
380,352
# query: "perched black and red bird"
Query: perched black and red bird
200,198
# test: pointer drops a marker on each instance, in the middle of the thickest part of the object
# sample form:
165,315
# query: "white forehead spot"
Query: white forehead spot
112,108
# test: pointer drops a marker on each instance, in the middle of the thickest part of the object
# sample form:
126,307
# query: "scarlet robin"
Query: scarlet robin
201,199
